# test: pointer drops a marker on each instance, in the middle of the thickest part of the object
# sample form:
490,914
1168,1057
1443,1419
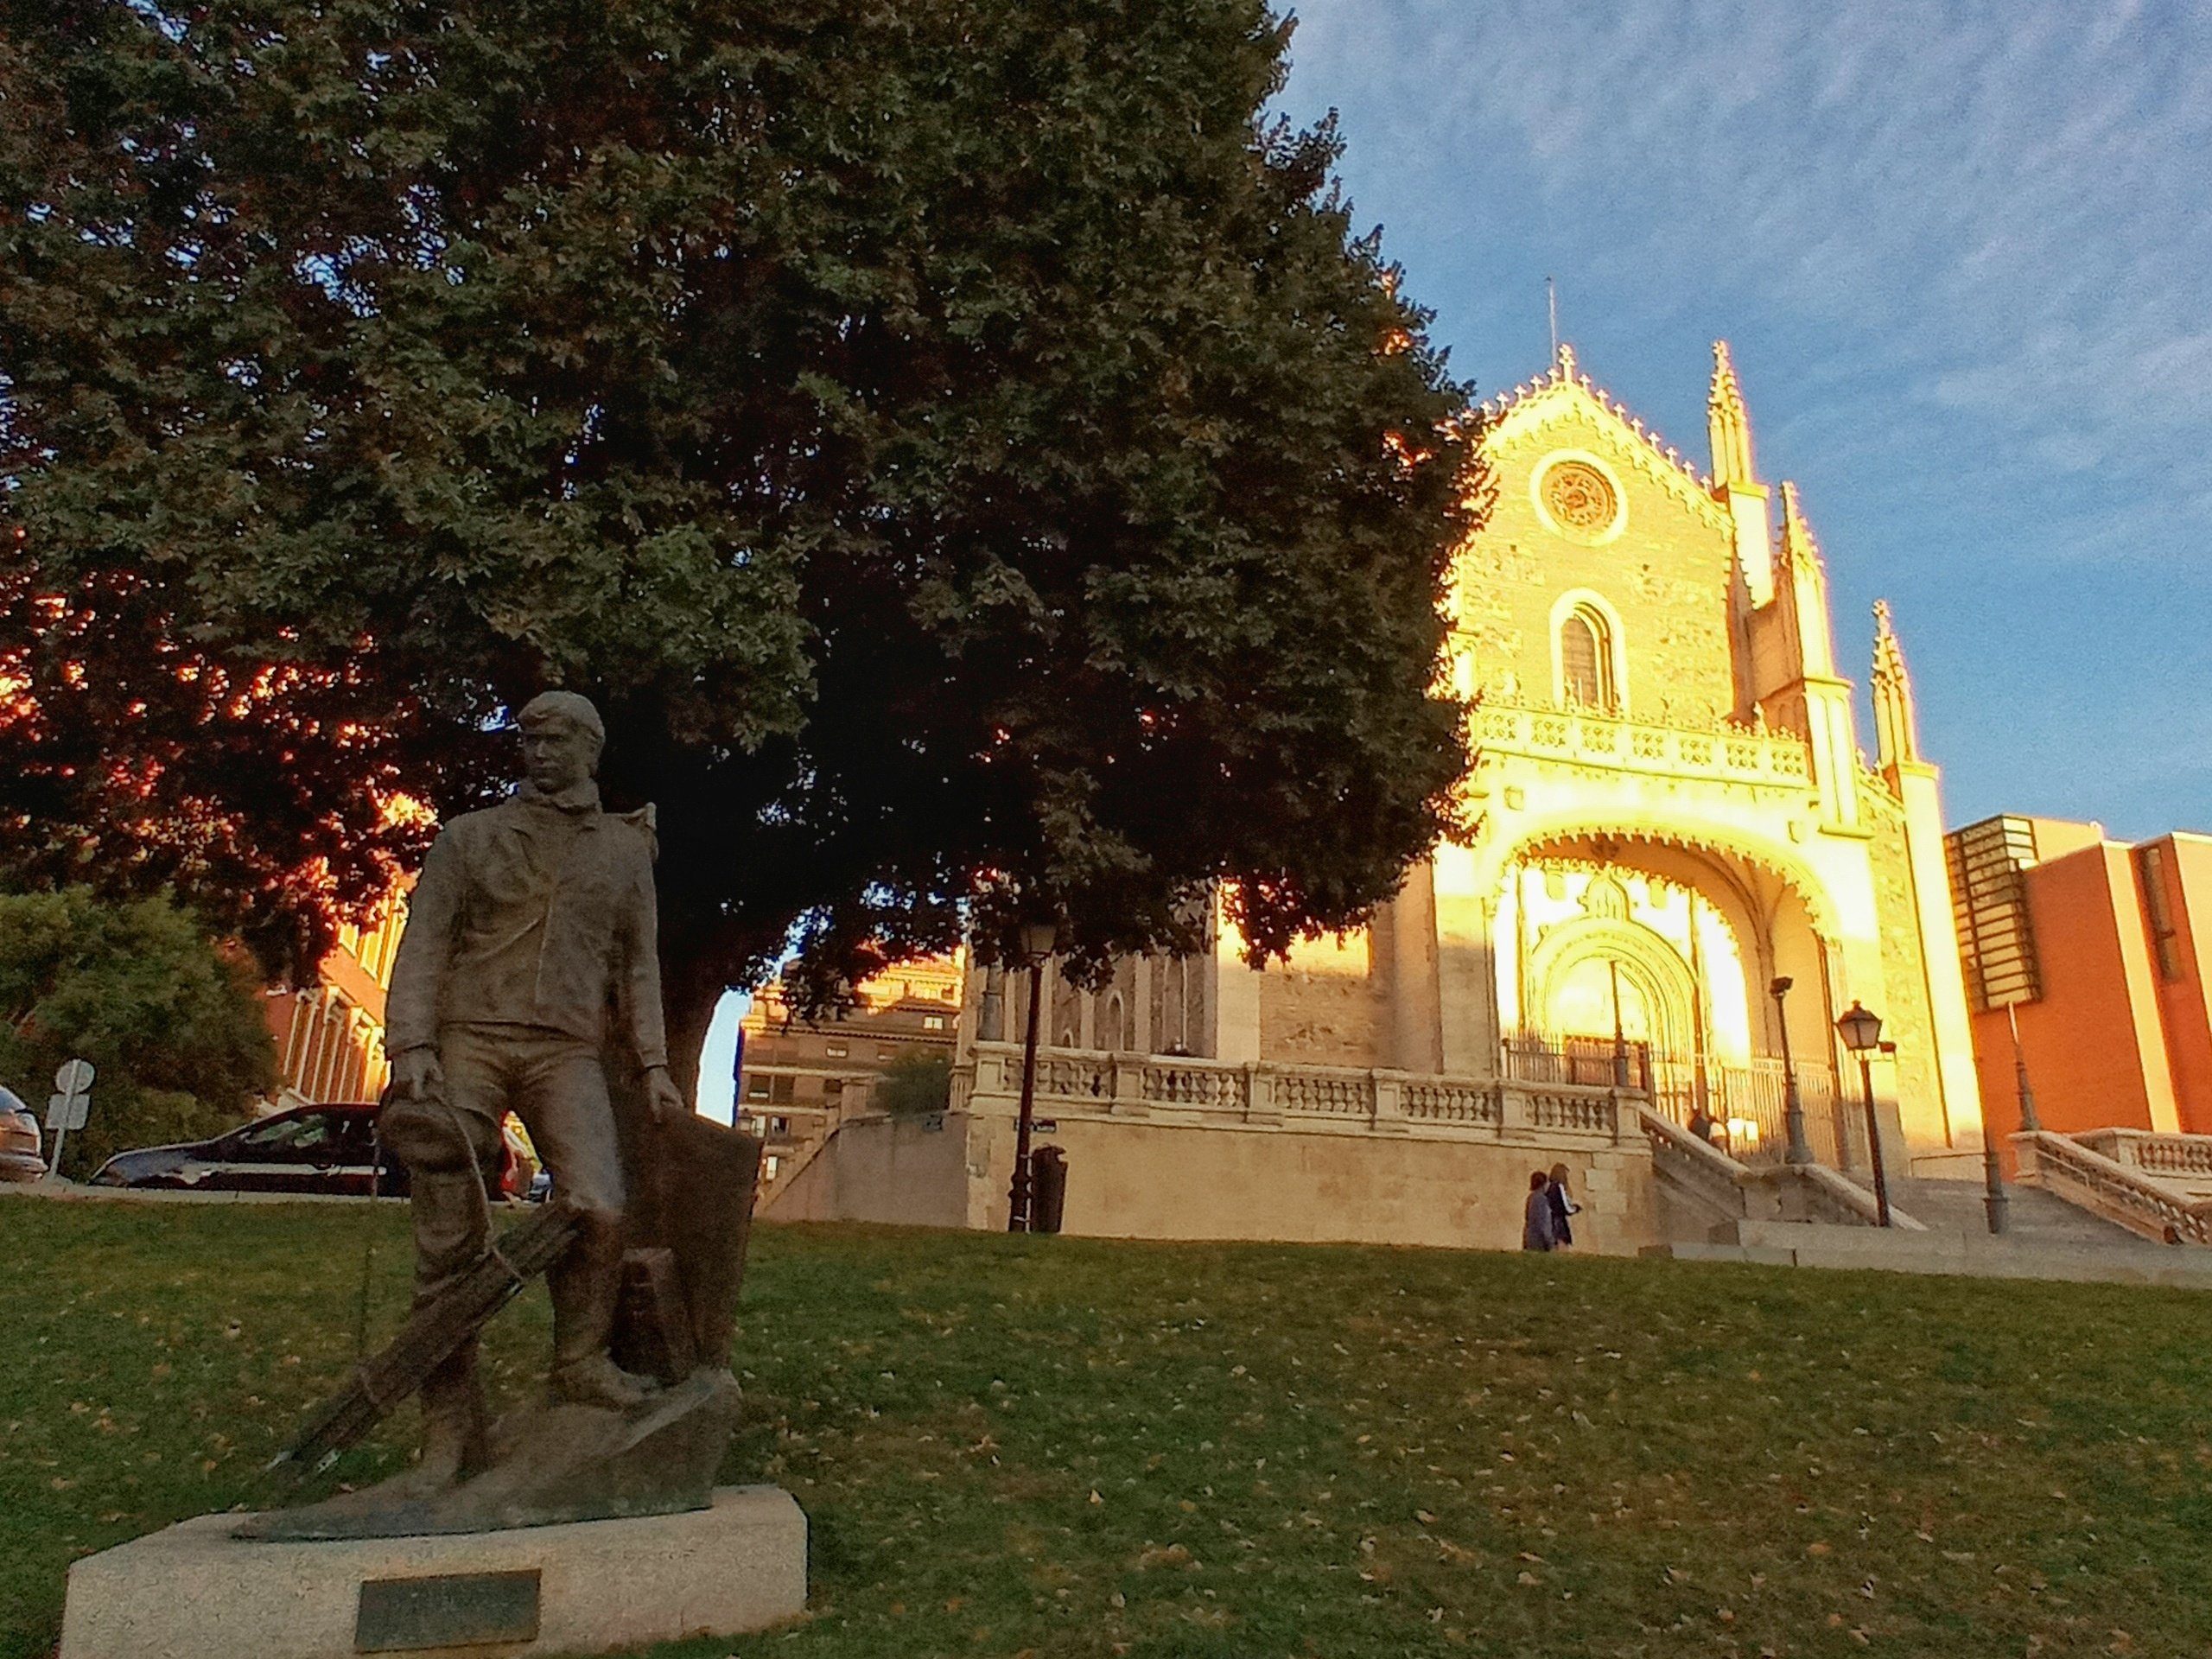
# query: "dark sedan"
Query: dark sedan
308,1150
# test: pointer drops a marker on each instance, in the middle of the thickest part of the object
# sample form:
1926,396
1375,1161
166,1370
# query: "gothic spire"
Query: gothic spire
1896,720
1728,422
1798,548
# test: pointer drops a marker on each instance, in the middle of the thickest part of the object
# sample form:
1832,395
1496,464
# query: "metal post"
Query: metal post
1994,1200
1620,1040
1017,1214
1800,1150
2028,1120
1874,1140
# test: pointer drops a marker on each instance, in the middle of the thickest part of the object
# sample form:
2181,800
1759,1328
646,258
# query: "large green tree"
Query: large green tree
962,443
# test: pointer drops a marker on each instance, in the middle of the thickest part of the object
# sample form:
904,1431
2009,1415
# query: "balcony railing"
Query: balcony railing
1737,754
1374,1099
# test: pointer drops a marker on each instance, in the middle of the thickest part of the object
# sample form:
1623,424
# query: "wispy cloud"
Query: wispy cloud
2003,206
1966,252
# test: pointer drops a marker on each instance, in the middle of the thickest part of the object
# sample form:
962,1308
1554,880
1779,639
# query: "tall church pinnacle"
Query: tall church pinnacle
1798,547
1728,421
1896,720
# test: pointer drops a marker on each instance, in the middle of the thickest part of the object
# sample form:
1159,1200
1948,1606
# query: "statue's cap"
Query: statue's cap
563,705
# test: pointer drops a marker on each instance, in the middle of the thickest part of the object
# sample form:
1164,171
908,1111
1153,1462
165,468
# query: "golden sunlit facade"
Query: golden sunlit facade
1672,815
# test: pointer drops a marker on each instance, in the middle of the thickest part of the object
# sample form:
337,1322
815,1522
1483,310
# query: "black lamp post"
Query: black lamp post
1620,1037
2028,1122
1861,1031
1800,1150
1037,941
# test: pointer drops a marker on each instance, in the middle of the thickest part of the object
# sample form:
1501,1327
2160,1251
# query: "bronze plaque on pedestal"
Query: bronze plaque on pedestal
449,1610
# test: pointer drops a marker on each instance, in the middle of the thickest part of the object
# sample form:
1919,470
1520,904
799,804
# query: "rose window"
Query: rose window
1579,497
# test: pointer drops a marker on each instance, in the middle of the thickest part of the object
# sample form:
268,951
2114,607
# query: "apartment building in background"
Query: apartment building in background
330,1034
2100,953
795,1078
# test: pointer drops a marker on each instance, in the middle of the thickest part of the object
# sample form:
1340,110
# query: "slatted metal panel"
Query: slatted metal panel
1990,900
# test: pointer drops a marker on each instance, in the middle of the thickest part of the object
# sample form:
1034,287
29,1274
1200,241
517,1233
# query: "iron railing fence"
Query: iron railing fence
1740,1108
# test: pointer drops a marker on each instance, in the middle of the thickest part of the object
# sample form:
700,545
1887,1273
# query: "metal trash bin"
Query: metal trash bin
1048,1189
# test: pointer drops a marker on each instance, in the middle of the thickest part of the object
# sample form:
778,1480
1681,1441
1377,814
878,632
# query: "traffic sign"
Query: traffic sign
65,1109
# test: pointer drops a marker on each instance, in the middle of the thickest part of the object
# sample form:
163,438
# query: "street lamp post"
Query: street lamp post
1799,1151
1861,1031
1037,942
2029,1124
1620,1037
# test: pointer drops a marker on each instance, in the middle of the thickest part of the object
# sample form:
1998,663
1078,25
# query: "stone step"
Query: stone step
2034,1217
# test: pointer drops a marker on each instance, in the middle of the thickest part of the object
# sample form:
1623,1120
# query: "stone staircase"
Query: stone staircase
1710,1208
2034,1219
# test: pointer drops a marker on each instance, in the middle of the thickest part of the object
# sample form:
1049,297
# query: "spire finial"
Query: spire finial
1563,363
1798,545
1728,421
1896,720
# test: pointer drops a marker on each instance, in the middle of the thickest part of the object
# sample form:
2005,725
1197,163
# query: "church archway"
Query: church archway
1586,976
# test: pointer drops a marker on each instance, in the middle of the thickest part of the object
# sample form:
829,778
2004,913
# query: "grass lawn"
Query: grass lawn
1066,1448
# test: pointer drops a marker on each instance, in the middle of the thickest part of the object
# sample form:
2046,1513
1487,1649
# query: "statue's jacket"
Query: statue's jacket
536,913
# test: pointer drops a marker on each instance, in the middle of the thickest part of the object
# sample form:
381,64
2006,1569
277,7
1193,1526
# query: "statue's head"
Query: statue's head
562,734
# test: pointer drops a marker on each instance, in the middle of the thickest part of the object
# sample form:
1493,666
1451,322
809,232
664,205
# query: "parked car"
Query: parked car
309,1149
22,1144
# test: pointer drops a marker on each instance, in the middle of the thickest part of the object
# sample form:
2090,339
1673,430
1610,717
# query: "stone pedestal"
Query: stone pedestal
194,1590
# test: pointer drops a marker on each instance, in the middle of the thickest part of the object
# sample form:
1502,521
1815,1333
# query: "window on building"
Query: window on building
833,1087
836,1051
779,1126
933,1022
756,1088
1585,660
779,1089
2165,943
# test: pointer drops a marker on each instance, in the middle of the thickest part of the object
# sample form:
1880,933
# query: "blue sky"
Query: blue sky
1964,256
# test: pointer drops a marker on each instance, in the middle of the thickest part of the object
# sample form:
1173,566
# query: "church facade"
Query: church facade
1682,867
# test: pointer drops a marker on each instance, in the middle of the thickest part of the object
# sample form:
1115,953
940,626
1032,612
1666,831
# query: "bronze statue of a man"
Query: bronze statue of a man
533,920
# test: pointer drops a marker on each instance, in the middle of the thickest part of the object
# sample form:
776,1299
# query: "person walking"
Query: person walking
1562,1207
1537,1224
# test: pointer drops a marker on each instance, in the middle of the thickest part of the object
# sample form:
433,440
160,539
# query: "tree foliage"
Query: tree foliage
960,443
172,1022
916,1081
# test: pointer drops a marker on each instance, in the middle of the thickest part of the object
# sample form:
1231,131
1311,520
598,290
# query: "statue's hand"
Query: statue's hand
416,1073
665,1099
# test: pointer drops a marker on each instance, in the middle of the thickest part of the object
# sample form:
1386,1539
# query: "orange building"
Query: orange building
330,1035
2102,954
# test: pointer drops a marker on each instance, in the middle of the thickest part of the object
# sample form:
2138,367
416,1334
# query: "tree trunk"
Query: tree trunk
692,984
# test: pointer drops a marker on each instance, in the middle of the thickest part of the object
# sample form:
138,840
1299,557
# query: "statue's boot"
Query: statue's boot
585,1285
456,1438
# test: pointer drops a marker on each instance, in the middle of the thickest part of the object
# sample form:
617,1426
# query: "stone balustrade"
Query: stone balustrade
2105,1187
1371,1100
1695,1165
2185,1158
1736,754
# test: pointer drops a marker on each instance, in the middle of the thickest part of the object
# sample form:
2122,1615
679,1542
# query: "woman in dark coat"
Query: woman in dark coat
1536,1223
1562,1207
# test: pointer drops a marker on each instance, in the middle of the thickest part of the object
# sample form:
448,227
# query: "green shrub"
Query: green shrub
173,1021
915,1082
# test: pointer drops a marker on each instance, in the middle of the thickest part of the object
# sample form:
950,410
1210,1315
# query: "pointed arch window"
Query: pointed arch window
1585,660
